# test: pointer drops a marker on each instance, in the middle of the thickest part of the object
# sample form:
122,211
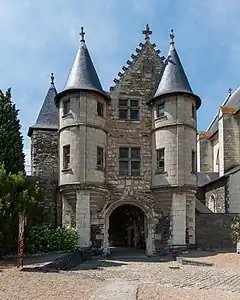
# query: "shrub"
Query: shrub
235,226
46,239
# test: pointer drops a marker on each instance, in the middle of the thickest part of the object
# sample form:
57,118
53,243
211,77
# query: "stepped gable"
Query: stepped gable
145,64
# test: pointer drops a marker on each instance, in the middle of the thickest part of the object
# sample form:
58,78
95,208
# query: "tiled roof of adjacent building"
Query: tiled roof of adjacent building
48,116
174,79
206,177
83,75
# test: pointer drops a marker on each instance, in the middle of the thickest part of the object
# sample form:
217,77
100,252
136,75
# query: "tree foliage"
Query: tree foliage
17,195
11,142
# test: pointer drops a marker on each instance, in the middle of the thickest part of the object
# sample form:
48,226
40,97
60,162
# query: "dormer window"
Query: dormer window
66,106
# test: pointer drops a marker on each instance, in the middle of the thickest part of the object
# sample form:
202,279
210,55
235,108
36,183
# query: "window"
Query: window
128,109
66,107
193,161
212,203
160,159
100,109
160,110
66,157
129,161
217,158
193,111
99,157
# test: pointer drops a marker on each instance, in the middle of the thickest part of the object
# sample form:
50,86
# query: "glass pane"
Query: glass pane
134,114
123,168
134,103
123,102
135,168
123,152
160,110
135,152
99,109
66,107
99,156
122,114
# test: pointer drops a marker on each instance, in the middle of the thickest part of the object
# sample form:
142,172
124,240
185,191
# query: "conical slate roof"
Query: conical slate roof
48,116
83,75
174,79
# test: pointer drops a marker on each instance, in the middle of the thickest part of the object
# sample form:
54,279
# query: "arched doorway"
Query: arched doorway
127,226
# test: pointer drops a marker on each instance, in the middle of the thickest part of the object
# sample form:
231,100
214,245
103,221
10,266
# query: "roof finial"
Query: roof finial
172,37
230,91
82,33
147,33
52,79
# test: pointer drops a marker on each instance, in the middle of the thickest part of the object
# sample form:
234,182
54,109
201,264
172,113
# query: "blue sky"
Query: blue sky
40,37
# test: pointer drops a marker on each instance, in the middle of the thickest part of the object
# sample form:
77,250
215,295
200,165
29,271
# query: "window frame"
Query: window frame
193,162
129,159
160,158
100,166
100,109
66,157
193,111
66,106
128,107
160,115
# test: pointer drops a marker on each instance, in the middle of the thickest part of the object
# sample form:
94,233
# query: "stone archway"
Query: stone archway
127,227
148,223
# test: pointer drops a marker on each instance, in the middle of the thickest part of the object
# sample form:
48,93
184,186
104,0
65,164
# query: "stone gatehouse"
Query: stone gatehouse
120,166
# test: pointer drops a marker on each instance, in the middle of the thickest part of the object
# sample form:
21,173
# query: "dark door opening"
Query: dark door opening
126,227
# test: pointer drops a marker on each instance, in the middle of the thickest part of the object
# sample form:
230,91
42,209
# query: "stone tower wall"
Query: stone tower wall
44,161
83,130
176,132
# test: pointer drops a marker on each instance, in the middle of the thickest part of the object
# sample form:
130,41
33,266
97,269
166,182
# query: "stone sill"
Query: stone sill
161,118
127,120
98,168
129,177
158,172
67,115
68,170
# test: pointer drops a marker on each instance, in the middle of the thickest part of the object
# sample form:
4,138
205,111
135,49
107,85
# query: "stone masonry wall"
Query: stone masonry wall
213,231
44,161
217,191
231,142
138,82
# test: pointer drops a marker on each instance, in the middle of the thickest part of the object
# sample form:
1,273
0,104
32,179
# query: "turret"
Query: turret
82,109
44,153
174,108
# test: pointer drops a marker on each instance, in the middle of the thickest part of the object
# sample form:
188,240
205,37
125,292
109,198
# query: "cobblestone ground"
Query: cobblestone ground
144,279
130,278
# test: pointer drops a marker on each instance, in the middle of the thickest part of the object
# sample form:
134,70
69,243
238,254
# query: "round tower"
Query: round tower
82,143
174,141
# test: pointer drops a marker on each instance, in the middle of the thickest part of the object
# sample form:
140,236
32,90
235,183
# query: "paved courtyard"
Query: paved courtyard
129,277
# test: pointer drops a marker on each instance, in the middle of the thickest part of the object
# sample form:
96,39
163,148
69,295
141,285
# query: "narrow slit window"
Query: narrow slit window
66,157
161,159
66,106
160,110
99,157
100,109
193,161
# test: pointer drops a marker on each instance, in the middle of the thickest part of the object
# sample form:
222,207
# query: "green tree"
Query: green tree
11,141
17,195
